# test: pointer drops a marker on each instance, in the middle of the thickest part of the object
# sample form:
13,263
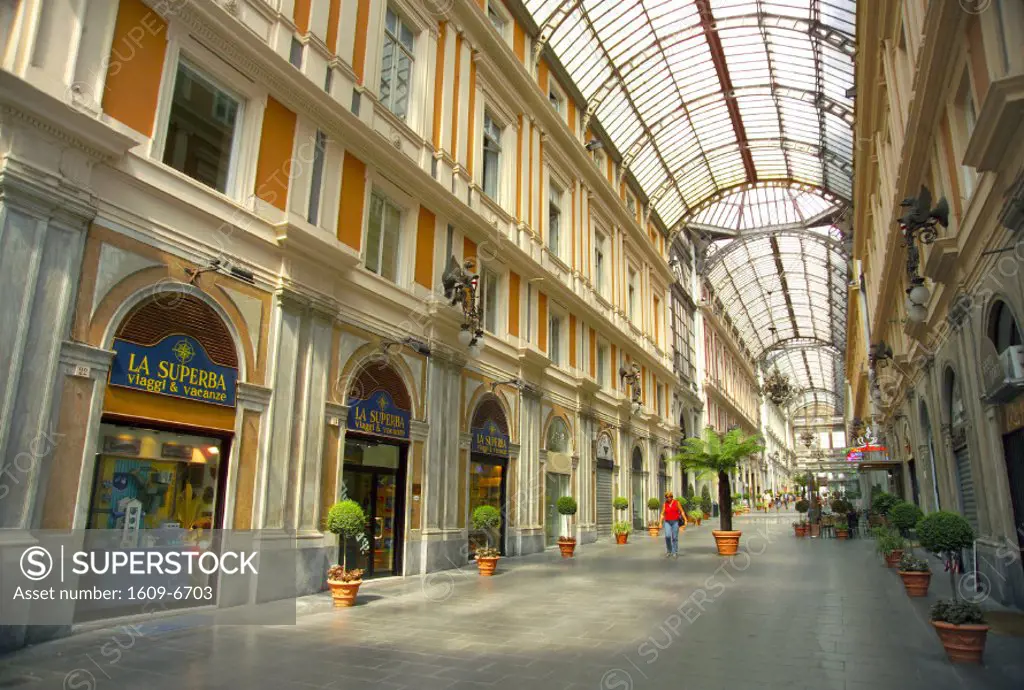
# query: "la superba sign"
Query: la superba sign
177,366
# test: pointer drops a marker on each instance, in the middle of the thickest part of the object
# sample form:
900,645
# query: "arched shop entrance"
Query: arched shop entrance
605,485
165,438
639,503
488,468
556,477
376,448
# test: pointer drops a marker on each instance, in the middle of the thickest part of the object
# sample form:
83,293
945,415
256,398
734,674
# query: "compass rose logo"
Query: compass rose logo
183,351
382,403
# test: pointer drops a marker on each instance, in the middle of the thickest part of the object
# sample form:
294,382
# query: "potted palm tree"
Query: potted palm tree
567,508
960,625
720,453
652,525
347,520
486,519
621,528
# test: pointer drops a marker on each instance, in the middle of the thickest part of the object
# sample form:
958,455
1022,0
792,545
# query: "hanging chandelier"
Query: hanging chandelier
777,387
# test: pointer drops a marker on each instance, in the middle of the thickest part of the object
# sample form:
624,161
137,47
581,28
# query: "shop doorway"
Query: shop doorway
488,471
639,503
374,477
1013,449
912,471
555,486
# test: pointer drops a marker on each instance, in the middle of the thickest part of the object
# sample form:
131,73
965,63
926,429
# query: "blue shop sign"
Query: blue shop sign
177,366
489,440
378,415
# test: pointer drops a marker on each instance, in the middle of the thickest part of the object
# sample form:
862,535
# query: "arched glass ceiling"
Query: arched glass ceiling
701,96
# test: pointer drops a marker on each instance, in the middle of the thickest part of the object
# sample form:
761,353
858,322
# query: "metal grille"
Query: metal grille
178,314
968,501
604,503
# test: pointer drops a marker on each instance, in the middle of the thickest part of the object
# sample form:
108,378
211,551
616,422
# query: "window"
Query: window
1002,327
383,233
489,299
295,56
631,296
328,80
631,204
492,156
317,178
498,20
396,65
602,365
556,99
599,262
201,129
529,313
555,339
657,321
554,219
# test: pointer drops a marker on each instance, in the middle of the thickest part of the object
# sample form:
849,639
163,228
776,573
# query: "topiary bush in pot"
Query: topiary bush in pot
945,534
904,516
567,507
347,520
486,519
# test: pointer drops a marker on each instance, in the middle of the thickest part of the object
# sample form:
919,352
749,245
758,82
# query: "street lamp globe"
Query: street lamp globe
917,313
465,337
919,294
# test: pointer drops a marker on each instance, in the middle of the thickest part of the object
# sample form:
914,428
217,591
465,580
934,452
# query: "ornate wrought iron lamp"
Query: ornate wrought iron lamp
920,219
879,354
807,438
460,287
777,387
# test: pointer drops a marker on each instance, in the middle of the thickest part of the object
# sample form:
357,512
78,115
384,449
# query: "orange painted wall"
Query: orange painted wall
301,15
455,96
362,29
543,75
442,35
135,67
274,165
542,322
425,248
471,131
468,249
615,369
513,303
333,17
519,42
353,195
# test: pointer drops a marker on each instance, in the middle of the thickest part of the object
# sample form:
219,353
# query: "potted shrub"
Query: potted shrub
720,453
889,544
800,526
567,507
705,501
696,515
487,519
621,528
347,520
881,503
916,575
652,525
959,625
904,516
840,507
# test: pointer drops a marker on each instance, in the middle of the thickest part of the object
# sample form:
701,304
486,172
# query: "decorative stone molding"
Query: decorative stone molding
253,395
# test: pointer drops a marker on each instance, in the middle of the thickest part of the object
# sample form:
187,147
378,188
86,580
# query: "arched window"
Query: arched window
638,460
1002,327
558,436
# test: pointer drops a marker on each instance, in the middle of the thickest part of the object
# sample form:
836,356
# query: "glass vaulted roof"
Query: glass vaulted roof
735,118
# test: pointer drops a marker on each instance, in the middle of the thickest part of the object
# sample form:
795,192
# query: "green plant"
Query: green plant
690,493
620,503
913,564
622,527
487,552
841,506
945,533
957,613
705,499
567,505
887,540
719,453
696,515
653,504
337,573
905,516
347,520
802,506
882,503
486,519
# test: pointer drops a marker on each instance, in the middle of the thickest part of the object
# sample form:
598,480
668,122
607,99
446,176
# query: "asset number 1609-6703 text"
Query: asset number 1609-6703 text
152,593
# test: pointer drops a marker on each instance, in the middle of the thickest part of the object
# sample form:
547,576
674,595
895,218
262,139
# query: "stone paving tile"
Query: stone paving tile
785,613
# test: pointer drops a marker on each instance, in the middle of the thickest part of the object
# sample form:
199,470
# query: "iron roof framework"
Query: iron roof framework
735,119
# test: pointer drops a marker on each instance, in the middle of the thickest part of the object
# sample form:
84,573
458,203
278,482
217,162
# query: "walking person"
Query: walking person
671,514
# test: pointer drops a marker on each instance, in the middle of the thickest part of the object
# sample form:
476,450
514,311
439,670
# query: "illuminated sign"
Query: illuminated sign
489,440
378,415
177,366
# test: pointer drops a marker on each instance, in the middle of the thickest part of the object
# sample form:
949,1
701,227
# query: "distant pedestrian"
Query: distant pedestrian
671,514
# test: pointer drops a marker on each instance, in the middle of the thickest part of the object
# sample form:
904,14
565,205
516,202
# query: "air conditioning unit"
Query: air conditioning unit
1011,362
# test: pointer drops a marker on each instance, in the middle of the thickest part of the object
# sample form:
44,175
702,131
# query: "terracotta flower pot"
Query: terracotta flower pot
800,530
707,516
915,582
892,559
653,530
815,530
964,644
842,533
621,538
726,541
698,521
567,548
344,593
487,566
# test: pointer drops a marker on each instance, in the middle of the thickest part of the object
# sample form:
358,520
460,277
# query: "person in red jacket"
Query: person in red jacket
671,515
